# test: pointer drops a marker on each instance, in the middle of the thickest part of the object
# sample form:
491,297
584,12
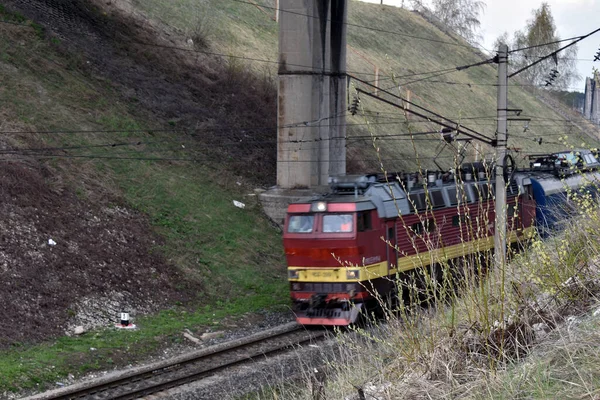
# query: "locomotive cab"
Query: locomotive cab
331,247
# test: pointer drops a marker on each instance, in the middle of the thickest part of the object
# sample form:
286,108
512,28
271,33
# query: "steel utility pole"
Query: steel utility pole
500,223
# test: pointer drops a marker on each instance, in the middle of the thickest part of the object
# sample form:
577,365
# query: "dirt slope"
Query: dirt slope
58,252
155,66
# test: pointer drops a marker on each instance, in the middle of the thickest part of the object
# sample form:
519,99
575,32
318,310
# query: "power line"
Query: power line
426,78
402,136
545,44
441,72
381,114
462,129
68,131
298,125
93,156
438,72
516,85
209,53
362,26
236,57
271,61
580,38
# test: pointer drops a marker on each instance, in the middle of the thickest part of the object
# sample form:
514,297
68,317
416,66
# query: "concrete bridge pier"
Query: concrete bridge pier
311,92
311,131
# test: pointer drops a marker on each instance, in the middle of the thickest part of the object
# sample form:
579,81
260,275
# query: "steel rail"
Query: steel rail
181,371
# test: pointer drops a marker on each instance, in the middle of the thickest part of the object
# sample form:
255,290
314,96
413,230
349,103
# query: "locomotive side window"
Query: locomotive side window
337,223
364,221
301,224
429,225
475,192
425,226
513,210
418,201
458,220
453,196
529,191
417,228
437,198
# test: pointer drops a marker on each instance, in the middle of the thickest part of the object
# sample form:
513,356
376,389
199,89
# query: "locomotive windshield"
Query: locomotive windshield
337,223
301,223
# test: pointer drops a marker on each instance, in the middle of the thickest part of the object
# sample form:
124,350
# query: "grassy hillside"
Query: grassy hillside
405,48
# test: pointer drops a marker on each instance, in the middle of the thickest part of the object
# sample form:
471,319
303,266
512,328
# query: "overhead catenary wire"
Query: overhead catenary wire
439,73
451,124
544,44
189,159
401,136
237,142
253,59
123,155
573,88
222,55
580,38
298,125
415,74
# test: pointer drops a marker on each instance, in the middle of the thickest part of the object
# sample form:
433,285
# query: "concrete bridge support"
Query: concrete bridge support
587,105
311,93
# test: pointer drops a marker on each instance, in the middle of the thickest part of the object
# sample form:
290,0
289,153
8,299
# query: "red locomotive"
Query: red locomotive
345,249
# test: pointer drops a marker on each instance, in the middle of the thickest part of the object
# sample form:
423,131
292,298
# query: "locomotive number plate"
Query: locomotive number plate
322,274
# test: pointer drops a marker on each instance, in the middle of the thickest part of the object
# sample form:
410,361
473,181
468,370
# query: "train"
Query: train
345,249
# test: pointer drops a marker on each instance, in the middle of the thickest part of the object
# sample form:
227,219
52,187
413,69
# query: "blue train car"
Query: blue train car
553,178
551,193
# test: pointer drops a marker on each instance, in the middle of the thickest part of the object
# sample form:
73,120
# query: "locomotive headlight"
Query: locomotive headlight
293,274
352,273
319,206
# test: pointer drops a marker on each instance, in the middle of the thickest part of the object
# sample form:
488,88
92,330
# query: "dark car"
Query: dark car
565,162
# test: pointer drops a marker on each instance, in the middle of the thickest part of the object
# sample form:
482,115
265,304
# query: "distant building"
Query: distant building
591,107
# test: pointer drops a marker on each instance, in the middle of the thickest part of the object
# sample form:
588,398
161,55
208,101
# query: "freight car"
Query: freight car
345,249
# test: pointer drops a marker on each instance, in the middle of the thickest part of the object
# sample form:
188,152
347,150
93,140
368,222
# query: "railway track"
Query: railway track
189,368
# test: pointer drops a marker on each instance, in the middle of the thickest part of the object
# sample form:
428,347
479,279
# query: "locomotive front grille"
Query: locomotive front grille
323,313
322,287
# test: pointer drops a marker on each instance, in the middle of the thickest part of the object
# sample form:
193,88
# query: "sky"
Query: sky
572,18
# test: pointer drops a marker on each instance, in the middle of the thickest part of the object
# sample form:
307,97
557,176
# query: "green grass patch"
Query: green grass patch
25,367
204,231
